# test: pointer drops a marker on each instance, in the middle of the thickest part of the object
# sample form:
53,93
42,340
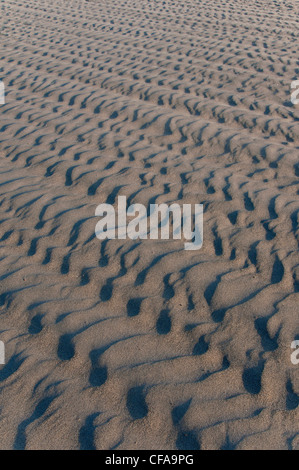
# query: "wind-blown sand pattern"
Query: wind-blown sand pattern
128,344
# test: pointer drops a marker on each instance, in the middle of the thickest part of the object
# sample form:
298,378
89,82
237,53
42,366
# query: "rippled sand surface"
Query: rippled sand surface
127,344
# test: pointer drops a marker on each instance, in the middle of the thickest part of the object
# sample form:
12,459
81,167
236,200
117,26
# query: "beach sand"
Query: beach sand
123,344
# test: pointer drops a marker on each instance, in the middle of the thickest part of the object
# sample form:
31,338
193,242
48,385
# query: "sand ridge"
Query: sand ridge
128,344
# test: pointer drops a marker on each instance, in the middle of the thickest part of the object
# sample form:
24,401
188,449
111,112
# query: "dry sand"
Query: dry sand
139,344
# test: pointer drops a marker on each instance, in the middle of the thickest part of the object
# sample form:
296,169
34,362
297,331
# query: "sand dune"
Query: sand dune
125,344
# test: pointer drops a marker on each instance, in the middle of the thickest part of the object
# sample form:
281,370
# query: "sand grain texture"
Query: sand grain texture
139,344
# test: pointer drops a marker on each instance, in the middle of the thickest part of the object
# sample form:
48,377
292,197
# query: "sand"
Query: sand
124,344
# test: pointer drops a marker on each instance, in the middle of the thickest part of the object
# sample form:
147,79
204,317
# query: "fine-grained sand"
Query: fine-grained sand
128,344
